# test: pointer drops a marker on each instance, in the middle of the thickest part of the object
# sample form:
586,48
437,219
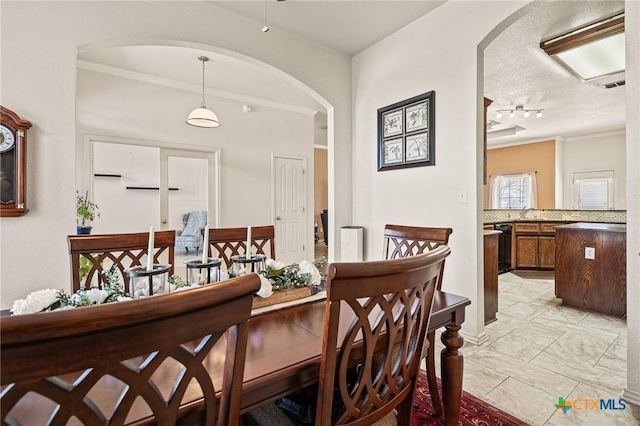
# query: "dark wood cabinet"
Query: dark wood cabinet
535,244
526,251
547,252
490,275
596,284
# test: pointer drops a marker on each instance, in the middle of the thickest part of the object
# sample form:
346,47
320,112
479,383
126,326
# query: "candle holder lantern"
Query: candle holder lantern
143,283
201,273
255,263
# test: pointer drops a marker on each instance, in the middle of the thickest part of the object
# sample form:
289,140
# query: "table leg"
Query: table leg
452,365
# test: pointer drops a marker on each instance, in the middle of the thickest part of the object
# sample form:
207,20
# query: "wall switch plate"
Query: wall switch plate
462,196
589,253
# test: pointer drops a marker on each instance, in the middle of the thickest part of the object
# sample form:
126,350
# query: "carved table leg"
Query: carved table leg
452,365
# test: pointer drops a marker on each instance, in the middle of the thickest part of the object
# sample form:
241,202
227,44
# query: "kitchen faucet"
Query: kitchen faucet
523,212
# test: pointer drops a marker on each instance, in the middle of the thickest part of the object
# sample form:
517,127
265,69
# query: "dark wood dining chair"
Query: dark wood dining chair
227,242
369,366
138,362
100,252
403,241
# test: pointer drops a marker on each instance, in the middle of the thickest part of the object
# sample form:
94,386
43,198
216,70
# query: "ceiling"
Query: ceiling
517,72
346,26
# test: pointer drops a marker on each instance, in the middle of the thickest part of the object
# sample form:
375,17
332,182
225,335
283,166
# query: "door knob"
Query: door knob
277,217
164,221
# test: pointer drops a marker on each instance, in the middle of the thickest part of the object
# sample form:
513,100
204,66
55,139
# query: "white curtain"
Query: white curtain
494,190
525,181
534,190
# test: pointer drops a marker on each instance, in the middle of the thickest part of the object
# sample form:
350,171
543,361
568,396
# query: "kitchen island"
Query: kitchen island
590,267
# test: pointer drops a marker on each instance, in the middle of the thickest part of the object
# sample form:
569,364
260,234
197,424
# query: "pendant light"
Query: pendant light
203,117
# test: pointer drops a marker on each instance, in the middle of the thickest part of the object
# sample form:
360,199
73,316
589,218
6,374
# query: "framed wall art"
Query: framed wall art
406,133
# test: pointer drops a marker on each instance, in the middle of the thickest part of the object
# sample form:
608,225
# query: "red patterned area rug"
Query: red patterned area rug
473,411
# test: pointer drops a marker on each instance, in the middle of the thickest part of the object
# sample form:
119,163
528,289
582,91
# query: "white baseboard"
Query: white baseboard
631,396
478,340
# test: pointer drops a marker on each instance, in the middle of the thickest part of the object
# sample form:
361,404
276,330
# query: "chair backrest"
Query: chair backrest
227,242
126,361
403,241
195,223
391,301
100,252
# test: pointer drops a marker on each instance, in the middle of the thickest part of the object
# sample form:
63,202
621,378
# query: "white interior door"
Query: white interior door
187,183
290,209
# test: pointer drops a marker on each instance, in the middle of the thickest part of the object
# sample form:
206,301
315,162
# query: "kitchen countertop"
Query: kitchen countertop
587,226
512,220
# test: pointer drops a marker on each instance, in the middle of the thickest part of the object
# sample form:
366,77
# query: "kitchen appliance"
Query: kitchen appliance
504,247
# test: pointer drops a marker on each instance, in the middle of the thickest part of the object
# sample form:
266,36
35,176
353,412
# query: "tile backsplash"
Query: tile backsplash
617,216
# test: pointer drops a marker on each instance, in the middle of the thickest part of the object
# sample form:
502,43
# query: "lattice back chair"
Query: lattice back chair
227,242
391,301
147,360
100,252
403,241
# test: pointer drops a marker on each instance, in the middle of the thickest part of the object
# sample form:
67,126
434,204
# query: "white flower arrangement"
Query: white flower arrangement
285,277
50,299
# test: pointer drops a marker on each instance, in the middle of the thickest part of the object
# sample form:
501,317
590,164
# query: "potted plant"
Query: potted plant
86,212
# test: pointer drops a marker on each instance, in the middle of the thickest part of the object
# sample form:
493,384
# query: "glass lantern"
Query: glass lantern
143,283
203,273
242,264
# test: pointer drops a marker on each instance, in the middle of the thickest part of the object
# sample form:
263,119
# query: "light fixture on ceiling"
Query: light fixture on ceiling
518,108
590,52
203,117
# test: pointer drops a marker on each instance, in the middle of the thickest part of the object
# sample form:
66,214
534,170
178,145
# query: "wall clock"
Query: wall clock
13,164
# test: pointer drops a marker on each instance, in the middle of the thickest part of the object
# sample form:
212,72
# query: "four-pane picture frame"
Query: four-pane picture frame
406,133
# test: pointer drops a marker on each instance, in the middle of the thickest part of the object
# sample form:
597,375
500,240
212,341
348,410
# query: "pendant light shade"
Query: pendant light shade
203,117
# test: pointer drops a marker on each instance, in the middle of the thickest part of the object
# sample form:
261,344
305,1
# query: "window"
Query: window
593,190
517,191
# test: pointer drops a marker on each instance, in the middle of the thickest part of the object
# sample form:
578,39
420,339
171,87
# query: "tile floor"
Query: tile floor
539,350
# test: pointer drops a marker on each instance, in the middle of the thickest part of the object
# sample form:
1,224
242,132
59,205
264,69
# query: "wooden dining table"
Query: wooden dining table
284,354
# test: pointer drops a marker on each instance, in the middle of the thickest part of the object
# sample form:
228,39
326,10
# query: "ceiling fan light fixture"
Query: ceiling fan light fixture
201,116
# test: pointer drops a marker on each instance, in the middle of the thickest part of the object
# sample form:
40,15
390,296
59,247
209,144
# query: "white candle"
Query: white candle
205,246
248,255
150,250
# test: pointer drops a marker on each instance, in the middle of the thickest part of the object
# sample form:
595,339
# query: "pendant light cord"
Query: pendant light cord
203,105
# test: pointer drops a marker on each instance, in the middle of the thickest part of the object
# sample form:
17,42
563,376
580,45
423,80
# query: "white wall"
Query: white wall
632,31
595,153
39,44
138,110
122,209
429,54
